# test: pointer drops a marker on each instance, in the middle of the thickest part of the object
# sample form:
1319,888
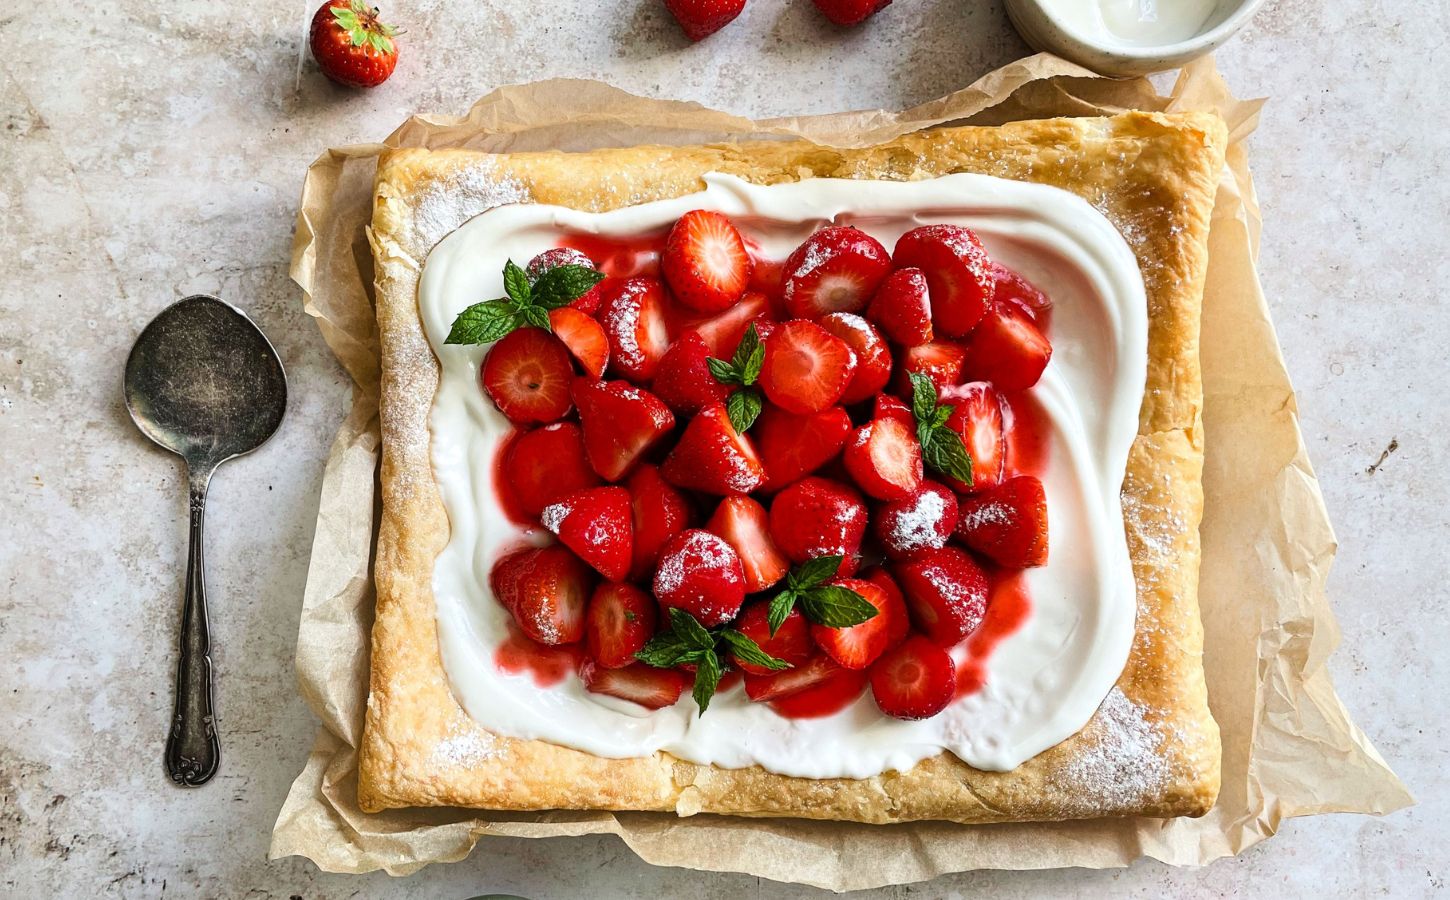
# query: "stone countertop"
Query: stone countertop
147,155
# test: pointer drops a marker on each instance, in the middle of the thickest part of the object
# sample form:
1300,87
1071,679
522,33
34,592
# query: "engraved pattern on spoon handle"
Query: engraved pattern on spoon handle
192,749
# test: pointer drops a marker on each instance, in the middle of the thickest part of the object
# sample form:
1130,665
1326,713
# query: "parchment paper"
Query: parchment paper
1289,746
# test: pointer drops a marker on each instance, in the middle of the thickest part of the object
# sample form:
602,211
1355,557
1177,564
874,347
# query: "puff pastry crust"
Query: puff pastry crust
1152,749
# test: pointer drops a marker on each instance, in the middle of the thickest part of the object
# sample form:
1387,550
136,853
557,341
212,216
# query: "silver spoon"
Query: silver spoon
203,382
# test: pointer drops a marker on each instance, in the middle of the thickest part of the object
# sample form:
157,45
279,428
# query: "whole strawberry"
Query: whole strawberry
351,45
702,18
850,12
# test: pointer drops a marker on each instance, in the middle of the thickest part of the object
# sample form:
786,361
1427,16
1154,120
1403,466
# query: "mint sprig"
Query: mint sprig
525,304
825,604
687,641
941,448
743,370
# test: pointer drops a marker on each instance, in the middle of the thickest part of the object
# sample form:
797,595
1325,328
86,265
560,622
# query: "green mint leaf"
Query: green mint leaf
707,679
516,284
483,323
743,407
923,397
780,607
747,651
836,607
664,651
925,431
939,418
562,285
814,571
536,316
749,356
689,630
722,371
948,455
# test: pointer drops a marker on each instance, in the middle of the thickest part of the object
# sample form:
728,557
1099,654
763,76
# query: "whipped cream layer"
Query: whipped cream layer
1043,682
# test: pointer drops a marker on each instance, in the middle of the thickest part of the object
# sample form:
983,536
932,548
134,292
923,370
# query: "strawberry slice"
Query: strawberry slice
638,683
914,681
546,590
901,308
1011,287
744,525
826,697
713,457
945,591
701,574
1007,524
819,517
542,465
873,357
722,333
806,367
884,459
621,423
526,374
977,417
858,646
941,361
621,620
586,302
660,513
683,379
583,336
793,446
784,683
632,311
899,625
1007,349
598,525
705,262
922,520
958,274
791,641
837,269
891,407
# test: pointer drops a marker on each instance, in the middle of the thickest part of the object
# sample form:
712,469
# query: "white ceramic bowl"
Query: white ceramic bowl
1045,30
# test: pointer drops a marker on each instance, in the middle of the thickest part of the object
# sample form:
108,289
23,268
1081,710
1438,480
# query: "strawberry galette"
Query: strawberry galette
773,479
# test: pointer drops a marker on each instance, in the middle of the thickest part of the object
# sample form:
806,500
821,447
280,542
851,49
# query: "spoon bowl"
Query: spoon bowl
203,382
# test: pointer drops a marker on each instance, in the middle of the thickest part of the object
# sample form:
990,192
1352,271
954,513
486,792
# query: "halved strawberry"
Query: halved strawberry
806,367
901,308
977,417
858,646
892,407
914,681
701,574
1007,349
683,379
586,302
583,336
781,684
819,517
542,465
632,312
922,520
899,625
546,590
1007,524
1013,288
792,446
790,643
705,262
945,591
941,361
884,459
649,687
621,620
526,374
828,696
744,525
713,457
837,269
873,357
660,513
958,274
598,525
722,333
621,423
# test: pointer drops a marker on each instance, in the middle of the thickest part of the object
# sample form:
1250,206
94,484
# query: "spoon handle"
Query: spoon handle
192,750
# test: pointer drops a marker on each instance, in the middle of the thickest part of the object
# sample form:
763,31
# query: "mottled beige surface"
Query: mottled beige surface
106,227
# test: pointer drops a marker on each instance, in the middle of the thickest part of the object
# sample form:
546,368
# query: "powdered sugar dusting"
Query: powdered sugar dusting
465,746
917,523
1124,768
554,515
450,202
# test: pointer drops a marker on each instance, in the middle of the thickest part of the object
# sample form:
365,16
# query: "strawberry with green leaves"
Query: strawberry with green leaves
352,45
687,642
742,371
832,605
942,448
527,303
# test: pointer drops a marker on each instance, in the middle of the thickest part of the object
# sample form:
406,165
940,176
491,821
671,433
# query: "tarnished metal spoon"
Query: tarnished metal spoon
203,382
